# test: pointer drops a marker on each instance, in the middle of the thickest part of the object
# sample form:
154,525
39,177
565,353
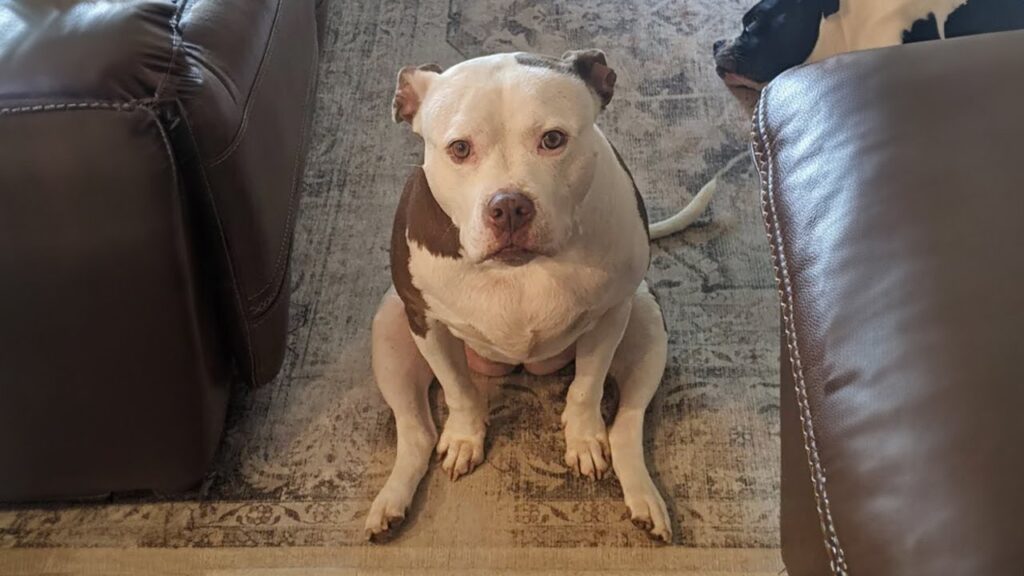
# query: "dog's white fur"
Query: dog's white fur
585,290
867,24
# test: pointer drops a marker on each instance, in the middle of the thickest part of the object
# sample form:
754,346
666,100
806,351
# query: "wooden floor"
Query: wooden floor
389,561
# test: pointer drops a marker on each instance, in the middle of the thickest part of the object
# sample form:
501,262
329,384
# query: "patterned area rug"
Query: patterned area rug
304,456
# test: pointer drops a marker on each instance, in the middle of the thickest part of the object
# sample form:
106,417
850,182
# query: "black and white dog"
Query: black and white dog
780,34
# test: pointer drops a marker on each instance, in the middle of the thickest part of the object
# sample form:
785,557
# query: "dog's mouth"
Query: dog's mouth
512,255
727,64
738,80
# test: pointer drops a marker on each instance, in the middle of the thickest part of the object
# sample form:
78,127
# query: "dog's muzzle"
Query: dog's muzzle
726,66
725,62
509,215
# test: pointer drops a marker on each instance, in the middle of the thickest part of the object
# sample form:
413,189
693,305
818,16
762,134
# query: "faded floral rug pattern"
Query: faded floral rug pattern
303,457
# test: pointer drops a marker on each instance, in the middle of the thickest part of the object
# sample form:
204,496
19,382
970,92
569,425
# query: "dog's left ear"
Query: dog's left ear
413,83
592,66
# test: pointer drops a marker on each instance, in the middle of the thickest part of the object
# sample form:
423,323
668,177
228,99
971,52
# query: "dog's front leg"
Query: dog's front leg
586,440
462,440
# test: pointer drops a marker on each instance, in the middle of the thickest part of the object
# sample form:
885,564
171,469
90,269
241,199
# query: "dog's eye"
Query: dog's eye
553,140
460,150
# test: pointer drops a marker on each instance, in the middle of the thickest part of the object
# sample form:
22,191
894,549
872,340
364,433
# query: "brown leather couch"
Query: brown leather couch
895,210
150,159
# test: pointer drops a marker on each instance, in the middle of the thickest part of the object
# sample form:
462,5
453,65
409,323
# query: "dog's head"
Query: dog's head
510,146
777,35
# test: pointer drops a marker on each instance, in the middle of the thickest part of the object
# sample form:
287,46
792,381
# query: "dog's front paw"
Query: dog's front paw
648,512
386,514
586,442
461,444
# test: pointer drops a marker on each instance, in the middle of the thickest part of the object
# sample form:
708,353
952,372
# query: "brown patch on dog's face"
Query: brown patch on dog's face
541,61
428,225
590,65
419,219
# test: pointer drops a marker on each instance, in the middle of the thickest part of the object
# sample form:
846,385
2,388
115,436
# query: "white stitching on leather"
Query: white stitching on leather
763,155
93,105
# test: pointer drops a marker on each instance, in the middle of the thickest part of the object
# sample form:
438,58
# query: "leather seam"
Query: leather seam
250,99
282,251
267,313
178,181
235,287
765,158
176,40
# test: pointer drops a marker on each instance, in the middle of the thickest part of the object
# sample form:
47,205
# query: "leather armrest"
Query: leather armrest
249,124
239,74
894,206
55,52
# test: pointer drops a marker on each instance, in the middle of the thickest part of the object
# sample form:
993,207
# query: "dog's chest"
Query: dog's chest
535,330
520,315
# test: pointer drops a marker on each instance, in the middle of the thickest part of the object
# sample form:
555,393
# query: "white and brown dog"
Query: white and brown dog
780,34
522,241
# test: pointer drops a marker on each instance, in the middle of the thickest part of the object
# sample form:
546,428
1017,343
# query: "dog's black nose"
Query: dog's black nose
509,211
718,46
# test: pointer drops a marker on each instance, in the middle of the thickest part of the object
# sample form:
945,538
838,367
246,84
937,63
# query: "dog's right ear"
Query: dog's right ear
592,67
413,84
